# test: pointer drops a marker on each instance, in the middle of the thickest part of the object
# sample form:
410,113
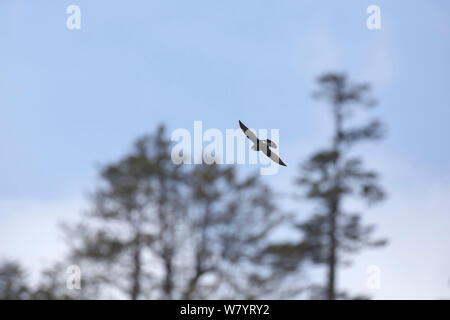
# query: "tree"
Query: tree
13,281
333,175
160,230
231,220
134,210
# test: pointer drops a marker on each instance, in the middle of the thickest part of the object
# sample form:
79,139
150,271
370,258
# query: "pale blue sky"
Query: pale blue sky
70,100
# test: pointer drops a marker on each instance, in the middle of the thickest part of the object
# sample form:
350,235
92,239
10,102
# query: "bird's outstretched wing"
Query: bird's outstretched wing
272,155
248,133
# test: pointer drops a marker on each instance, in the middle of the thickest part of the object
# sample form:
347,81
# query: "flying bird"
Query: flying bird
262,145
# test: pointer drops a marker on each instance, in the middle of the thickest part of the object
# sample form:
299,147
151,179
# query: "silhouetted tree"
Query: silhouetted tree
13,281
159,230
135,209
230,221
332,175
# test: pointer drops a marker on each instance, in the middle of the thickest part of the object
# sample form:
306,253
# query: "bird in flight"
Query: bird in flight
262,145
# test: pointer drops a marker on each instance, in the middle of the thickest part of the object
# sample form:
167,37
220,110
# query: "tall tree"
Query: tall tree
160,230
135,208
332,175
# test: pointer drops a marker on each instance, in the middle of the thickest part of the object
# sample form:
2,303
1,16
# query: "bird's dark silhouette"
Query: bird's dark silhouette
262,145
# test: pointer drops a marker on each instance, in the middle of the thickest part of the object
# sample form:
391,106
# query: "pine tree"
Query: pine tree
333,175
